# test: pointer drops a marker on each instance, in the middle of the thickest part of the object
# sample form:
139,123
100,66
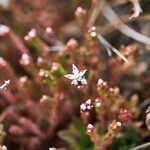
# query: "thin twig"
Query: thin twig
109,46
107,28
141,146
95,12
112,17
105,43
137,9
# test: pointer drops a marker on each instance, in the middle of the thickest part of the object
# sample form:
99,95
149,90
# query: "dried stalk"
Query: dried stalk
106,44
112,17
109,46
137,9
141,146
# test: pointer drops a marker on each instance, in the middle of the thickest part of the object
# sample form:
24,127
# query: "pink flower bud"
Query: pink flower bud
71,44
124,115
2,62
49,31
23,79
43,73
16,130
40,61
31,34
92,32
129,49
98,102
54,66
44,98
80,12
102,83
4,30
90,128
25,59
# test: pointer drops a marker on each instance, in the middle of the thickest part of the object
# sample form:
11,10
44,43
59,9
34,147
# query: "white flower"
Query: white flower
90,127
87,105
77,77
4,147
52,148
83,107
3,86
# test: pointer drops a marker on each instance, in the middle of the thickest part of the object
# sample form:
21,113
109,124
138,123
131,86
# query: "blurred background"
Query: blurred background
39,42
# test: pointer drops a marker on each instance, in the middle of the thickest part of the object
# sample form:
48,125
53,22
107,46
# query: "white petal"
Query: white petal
78,86
82,73
75,70
89,101
74,82
70,76
83,107
90,126
83,81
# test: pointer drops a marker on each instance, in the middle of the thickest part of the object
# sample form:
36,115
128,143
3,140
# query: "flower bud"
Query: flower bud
25,59
90,128
49,31
92,32
98,102
71,44
2,62
80,12
114,128
4,30
31,34
102,84
16,130
124,115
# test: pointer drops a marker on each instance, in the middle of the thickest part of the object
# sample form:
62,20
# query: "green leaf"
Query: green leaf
84,138
130,139
77,139
66,136
60,72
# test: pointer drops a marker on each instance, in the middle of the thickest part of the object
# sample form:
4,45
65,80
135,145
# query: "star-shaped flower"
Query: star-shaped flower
77,77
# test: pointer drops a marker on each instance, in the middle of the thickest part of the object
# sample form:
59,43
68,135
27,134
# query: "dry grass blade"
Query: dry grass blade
141,146
112,17
109,46
97,6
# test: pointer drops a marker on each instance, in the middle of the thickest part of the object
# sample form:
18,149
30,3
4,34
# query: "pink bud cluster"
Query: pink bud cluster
31,34
25,59
102,84
71,44
92,32
125,115
80,12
